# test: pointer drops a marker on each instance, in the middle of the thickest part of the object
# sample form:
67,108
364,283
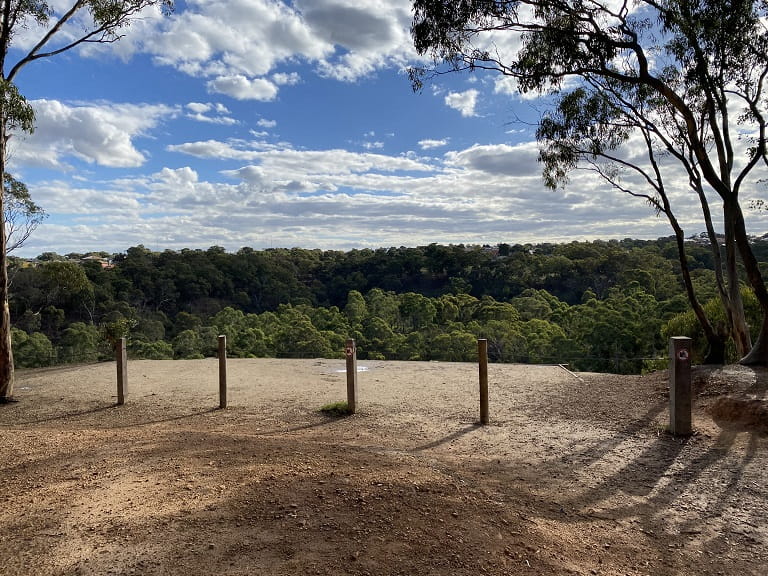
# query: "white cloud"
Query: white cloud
355,25
210,113
245,48
249,40
264,123
429,144
95,200
212,120
498,160
505,85
464,102
215,149
199,107
246,37
331,168
28,35
340,199
178,178
369,34
101,134
283,79
242,88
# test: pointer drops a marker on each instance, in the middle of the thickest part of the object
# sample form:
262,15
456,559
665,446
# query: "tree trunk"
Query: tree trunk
715,341
758,355
735,305
716,351
732,302
6,352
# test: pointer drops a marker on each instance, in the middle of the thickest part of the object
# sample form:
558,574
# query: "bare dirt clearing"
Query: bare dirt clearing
575,475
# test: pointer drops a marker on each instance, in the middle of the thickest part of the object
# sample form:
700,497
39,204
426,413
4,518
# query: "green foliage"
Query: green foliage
532,304
148,330
297,337
187,345
65,282
79,343
415,312
379,340
541,337
619,298
455,346
18,114
151,350
356,309
32,350
119,328
685,324
506,342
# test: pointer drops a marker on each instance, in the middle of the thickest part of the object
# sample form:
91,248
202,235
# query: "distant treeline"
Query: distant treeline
598,306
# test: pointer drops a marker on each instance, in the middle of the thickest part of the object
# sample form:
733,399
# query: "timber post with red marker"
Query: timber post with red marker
680,386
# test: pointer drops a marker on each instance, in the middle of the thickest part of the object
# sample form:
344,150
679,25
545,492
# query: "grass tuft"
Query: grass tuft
336,409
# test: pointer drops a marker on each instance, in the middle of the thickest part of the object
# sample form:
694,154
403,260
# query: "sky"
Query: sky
267,124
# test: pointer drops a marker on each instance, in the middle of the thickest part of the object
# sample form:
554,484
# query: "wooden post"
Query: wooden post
351,354
222,371
680,386
482,354
121,356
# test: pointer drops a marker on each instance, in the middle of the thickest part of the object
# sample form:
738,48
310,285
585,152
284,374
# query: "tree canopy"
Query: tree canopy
599,306
682,80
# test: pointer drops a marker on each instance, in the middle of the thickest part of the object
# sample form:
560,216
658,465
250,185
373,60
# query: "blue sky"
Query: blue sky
276,124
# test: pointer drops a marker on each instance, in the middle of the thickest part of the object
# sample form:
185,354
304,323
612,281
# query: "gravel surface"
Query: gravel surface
575,474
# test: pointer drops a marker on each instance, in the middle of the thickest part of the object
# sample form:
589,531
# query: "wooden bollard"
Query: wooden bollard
351,355
121,357
680,386
222,371
482,354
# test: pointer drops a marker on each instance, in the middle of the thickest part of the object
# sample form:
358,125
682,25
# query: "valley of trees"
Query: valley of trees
597,306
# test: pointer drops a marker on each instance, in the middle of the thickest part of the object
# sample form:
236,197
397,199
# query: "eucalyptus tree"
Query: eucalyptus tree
586,129
687,78
22,216
58,27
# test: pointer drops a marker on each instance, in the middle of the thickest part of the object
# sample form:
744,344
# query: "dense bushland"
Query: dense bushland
598,306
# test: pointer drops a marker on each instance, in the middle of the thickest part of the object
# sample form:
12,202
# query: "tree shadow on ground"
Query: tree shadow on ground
449,438
672,489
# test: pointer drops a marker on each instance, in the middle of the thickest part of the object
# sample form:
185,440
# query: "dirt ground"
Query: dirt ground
576,474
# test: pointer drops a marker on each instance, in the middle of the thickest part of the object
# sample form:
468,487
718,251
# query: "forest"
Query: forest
606,306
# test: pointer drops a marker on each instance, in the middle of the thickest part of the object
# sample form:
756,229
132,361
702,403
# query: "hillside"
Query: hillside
597,306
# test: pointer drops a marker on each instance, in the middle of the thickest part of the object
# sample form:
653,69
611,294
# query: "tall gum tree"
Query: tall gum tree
691,71
59,30
587,129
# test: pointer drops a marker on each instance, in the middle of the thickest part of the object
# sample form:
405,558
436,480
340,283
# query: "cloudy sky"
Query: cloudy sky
265,123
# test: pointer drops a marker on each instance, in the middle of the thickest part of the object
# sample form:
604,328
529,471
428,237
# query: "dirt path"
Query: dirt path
575,475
